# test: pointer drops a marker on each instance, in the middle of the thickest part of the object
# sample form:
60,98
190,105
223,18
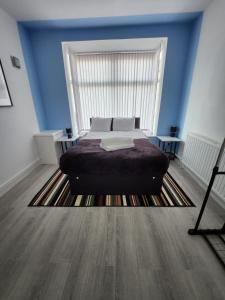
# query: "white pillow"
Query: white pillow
123,124
101,124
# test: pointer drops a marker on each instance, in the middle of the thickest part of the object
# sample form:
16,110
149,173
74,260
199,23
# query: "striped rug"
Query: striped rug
56,192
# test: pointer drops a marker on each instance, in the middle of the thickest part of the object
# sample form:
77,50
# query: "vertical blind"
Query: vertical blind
116,84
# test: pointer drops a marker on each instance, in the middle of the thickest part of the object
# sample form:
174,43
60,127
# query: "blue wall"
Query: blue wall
43,55
33,79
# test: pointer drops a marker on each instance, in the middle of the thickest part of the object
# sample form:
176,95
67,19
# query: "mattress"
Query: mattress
88,158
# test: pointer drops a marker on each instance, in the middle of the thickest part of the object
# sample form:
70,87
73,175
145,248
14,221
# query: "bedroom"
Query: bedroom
150,76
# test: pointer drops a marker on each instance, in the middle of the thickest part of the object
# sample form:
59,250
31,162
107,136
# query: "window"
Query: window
116,84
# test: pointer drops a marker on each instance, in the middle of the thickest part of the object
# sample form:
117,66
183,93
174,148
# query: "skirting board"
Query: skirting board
5,187
219,200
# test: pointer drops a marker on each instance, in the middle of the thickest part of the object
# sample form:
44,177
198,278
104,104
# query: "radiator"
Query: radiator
200,156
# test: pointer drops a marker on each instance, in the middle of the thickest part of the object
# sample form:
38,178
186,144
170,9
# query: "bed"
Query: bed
92,170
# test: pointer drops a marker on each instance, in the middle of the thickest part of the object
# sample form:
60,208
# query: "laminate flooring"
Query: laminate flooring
106,253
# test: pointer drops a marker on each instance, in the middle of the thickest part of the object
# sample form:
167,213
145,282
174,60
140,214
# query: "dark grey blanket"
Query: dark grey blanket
88,158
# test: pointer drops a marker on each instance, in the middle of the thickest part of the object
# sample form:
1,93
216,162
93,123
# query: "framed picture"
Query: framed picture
5,98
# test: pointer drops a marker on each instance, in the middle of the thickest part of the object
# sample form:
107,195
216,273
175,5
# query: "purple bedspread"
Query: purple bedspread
88,158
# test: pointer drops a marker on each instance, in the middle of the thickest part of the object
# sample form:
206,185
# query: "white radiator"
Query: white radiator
200,156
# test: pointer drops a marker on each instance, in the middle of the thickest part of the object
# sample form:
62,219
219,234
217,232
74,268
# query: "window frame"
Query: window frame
112,45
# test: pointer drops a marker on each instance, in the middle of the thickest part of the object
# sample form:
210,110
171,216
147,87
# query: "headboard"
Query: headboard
137,122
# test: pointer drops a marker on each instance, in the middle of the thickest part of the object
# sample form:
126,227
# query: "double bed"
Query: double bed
92,170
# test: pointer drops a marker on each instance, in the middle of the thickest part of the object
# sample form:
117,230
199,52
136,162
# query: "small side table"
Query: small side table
172,141
67,142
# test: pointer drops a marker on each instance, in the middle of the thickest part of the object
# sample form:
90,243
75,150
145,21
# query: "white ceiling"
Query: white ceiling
72,9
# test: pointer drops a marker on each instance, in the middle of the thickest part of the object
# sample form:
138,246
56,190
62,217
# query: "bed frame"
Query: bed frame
109,185
125,184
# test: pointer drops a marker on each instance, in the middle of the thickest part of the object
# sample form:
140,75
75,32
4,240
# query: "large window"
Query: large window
116,84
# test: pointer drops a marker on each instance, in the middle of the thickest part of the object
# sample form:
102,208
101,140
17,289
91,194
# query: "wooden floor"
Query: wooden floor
105,253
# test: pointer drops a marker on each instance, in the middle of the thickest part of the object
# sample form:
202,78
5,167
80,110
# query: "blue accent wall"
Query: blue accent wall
33,79
43,54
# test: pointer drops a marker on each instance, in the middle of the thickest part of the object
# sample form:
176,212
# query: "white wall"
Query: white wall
206,108
17,123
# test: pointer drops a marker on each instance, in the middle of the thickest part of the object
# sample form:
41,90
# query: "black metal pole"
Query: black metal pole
174,152
194,230
171,154
223,228
62,147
